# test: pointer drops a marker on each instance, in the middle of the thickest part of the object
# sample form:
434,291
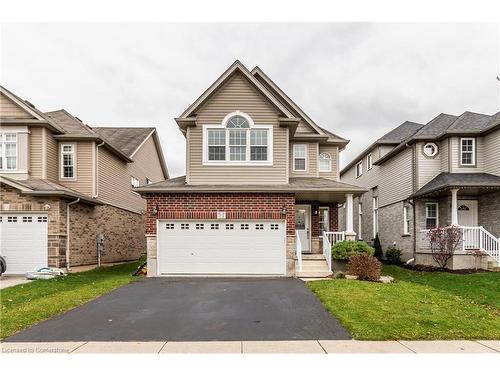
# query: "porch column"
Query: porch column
349,218
454,207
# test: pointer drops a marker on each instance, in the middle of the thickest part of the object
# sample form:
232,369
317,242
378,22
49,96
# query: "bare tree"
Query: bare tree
444,241
478,254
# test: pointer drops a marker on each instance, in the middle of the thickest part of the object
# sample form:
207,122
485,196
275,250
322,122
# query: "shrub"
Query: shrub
345,249
339,275
393,255
364,266
379,254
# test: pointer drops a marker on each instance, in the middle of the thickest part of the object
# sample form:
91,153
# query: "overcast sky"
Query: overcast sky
357,80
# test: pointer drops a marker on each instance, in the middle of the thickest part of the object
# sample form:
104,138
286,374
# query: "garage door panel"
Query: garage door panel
216,248
23,242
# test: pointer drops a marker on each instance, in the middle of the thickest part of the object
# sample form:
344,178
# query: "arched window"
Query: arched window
325,162
237,140
463,207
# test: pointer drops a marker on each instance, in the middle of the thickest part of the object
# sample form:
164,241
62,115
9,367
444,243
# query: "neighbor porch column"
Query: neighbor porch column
349,218
454,207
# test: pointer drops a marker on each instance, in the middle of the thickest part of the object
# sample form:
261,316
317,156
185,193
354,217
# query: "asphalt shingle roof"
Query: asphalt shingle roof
448,180
126,139
436,127
402,132
69,123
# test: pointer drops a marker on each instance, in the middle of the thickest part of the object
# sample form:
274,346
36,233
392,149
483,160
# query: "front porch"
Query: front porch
475,208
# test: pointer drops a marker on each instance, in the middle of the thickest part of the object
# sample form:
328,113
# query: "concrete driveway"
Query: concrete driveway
207,309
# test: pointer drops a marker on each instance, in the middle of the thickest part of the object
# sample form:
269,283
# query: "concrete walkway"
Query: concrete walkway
8,281
300,346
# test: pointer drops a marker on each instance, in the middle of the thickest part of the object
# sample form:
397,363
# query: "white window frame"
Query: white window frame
360,221
325,156
3,152
369,161
375,216
473,151
327,226
134,182
306,151
252,126
61,161
359,169
436,149
148,181
429,217
406,221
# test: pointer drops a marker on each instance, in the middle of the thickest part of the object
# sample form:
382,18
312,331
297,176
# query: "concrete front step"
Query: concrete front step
313,257
315,274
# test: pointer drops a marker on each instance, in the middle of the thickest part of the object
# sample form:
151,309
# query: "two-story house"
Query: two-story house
446,172
65,184
261,189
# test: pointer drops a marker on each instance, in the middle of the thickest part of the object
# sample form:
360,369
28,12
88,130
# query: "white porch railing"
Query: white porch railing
298,250
327,250
478,238
335,237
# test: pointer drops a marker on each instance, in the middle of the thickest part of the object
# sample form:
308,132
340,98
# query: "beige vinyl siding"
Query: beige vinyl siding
303,128
52,158
369,178
312,160
455,156
444,154
147,163
237,94
396,178
35,152
114,185
8,109
83,182
427,168
492,153
334,153
382,150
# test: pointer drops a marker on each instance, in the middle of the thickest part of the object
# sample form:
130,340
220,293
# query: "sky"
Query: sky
358,80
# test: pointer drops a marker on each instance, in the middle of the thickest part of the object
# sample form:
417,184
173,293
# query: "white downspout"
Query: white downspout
67,232
97,170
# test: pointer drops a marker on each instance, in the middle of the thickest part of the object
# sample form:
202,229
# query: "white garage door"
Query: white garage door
221,247
23,242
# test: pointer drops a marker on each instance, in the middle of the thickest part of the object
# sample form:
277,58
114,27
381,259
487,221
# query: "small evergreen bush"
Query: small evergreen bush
379,254
393,255
345,249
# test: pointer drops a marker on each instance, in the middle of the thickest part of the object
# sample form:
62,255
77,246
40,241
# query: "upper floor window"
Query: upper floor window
359,169
237,141
430,149
325,162
369,162
68,162
134,182
299,156
8,151
467,151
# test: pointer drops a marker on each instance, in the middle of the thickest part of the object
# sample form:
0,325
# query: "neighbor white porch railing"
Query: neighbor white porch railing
478,238
298,250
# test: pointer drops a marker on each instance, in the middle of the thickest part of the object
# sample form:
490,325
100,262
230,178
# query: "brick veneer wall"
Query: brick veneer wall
124,230
205,206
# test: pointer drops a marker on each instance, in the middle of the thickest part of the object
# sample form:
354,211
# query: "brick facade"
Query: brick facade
124,230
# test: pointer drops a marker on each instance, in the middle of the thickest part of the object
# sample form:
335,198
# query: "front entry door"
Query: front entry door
302,225
467,213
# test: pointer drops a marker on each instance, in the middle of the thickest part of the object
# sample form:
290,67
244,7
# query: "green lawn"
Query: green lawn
24,305
419,305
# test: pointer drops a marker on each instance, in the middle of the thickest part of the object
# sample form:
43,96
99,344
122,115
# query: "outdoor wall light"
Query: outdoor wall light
284,210
155,209
46,207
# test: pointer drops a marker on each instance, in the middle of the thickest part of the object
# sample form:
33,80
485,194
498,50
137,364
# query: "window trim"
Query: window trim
369,161
326,156
305,157
406,221
3,142
375,208
435,147
61,163
248,162
360,220
460,144
360,170
437,214
132,185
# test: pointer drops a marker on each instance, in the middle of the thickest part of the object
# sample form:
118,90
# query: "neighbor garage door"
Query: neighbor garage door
221,247
23,242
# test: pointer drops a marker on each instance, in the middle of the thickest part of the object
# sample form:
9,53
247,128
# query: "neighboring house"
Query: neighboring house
261,186
423,176
63,183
